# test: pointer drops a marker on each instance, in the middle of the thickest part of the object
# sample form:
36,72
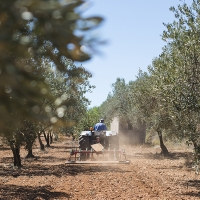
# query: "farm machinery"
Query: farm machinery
98,147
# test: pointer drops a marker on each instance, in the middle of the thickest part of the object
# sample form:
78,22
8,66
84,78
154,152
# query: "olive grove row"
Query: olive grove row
167,97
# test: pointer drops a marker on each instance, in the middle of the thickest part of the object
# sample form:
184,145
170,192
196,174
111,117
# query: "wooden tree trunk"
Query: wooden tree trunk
40,142
196,150
51,138
30,154
55,137
164,149
16,155
45,136
47,140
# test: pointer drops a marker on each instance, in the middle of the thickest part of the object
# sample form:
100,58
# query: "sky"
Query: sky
132,29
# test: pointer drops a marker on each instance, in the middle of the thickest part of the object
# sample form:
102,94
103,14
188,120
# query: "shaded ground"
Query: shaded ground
149,176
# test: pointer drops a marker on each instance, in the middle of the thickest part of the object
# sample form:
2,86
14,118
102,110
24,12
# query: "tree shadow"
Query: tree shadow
172,167
59,170
178,155
8,192
90,169
171,156
193,184
45,159
62,147
193,194
160,156
6,160
3,148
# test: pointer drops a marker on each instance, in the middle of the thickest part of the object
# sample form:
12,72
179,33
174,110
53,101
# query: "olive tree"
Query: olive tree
147,106
30,32
177,73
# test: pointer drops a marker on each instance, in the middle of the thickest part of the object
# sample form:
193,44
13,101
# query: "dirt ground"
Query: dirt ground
148,176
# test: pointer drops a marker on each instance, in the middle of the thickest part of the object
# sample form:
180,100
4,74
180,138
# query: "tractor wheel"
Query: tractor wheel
84,143
105,142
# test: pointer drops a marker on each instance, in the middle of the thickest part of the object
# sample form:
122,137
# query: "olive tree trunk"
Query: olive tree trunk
164,149
40,142
16,154
51,138
30,154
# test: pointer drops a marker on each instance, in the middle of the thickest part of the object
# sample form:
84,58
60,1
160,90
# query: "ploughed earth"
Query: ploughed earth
148,176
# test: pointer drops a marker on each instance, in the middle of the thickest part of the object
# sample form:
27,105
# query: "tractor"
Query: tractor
105,143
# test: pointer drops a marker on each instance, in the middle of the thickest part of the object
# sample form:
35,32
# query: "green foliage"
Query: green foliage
28,132
142,97
40,85
116,103
167,98
70,103
89,119
33,32
177,73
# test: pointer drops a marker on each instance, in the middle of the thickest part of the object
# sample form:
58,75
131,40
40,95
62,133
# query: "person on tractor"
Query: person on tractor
100,126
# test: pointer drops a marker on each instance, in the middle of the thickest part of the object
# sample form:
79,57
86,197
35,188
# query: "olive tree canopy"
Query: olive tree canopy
30,32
